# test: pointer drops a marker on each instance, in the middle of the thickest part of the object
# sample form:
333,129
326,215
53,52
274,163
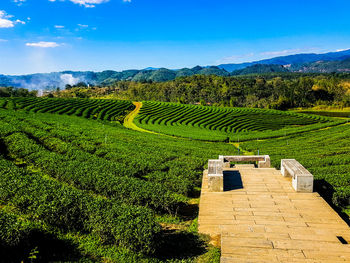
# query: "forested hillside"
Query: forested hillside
268,91
337,62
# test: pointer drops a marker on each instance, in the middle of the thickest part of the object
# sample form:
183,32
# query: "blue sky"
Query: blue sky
55,35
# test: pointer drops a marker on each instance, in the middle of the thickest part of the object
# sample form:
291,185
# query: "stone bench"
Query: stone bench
215,176
263,160
302,179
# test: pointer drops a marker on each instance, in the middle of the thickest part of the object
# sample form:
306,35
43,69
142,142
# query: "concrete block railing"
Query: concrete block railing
263,160
302,179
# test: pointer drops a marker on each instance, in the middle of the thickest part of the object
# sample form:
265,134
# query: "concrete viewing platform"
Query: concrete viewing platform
259,217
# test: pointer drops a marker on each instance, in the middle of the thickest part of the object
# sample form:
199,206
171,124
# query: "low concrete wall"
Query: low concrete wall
263,160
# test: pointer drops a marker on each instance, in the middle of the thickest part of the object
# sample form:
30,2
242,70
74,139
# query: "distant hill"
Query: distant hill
60,79
292,59
303,63
260,69
322,66
310,67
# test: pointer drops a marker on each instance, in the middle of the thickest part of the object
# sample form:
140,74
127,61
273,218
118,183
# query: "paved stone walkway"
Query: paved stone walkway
262,219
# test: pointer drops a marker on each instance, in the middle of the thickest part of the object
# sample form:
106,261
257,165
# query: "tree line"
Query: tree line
17,92
278,92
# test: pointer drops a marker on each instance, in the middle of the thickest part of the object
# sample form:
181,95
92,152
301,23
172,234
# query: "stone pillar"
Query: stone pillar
215,176
224,163
266,163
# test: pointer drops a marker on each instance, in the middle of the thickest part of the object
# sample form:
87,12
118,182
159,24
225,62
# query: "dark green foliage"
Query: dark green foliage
260,69
13,231
212,71
16,92
73,210
257,91
22,239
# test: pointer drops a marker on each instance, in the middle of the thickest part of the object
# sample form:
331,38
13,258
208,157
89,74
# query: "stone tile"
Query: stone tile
229,243
267,221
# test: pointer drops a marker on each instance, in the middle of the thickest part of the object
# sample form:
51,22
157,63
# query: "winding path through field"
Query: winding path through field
129,122
129,119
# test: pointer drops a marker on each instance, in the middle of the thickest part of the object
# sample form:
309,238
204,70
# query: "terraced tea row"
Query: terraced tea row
222,119
107,110
213,123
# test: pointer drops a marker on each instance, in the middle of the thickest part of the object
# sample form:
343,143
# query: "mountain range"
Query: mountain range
297,59
303,63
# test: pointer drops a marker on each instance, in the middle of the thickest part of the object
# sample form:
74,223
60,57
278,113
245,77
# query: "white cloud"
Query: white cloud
292,51
3,40
69,79
6,22
20,22
87,3
19,2
43,44
281,52
127,1
83,27
59,27
343,49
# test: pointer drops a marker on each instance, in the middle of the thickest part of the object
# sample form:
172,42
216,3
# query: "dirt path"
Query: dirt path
129,119
129,123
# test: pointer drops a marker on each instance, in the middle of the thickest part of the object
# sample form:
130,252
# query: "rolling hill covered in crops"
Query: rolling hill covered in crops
73,179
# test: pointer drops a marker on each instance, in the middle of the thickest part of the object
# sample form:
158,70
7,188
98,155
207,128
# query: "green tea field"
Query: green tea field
219,124
73,179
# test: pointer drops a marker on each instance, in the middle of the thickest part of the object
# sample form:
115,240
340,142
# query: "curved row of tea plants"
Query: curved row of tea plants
326,153
222,119
61,166
73,210
82,169
107,110
217,124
